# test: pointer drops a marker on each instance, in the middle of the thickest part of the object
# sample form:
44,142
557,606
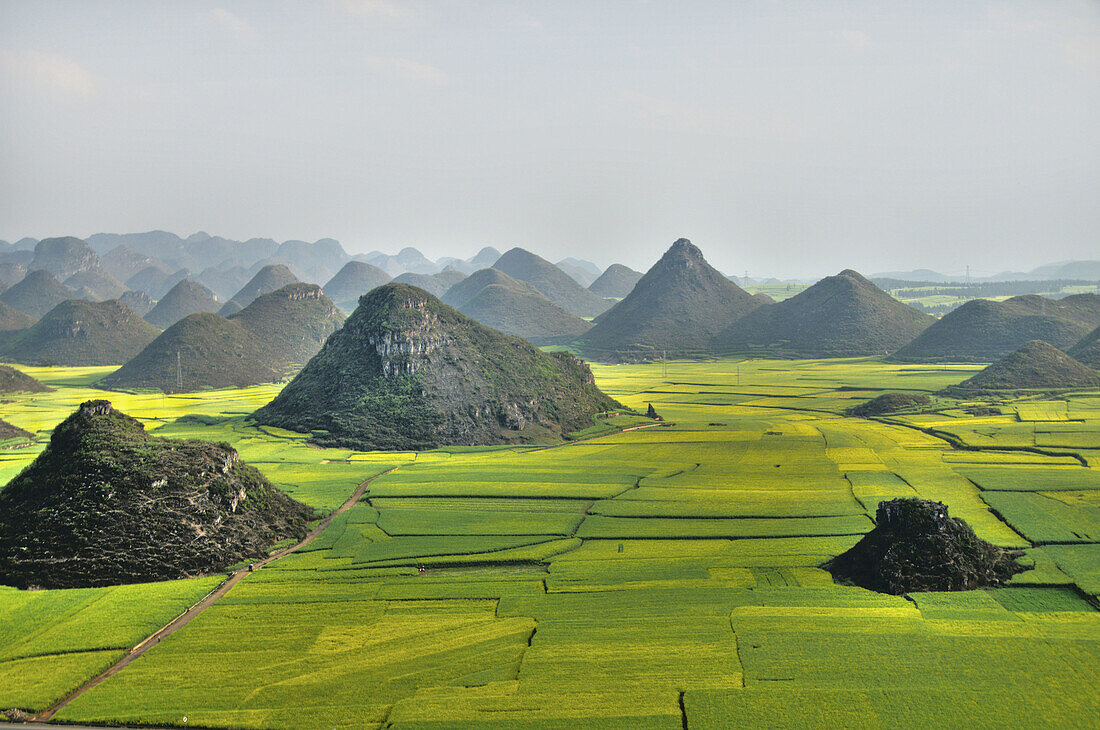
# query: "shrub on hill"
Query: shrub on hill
890,403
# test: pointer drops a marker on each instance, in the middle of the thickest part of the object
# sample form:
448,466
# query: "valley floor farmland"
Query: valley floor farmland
645,579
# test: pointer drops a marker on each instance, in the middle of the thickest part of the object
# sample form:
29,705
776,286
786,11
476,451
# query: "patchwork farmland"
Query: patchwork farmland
656,577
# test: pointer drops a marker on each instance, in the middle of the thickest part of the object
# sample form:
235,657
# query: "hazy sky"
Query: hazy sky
784,138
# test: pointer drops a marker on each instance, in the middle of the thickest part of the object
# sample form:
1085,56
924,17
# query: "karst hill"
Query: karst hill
409,372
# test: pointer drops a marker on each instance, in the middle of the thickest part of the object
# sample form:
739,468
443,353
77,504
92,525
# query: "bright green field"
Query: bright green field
638,579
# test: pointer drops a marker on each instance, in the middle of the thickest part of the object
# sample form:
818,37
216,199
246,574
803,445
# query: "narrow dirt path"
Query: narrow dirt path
211,598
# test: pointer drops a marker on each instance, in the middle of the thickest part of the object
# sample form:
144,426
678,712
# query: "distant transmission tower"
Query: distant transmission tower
179,372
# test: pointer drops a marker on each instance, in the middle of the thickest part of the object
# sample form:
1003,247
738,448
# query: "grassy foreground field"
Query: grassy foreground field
655,578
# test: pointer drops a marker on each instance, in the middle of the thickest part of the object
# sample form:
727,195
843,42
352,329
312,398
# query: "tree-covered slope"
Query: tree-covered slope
292,323
106,503
1088,349
37,293
408,372
840,316
15,381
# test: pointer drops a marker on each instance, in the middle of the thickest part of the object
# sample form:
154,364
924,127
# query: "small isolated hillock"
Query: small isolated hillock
676,308
916,546
1087,351
840,316
408,372
435,284
139,302
77,332
292,323
105,504
36,294
11,319
8,432
266,280
982,330
185,298
890,403
354,280
1035,365
615,282
552,282
16,381
199,352
514,307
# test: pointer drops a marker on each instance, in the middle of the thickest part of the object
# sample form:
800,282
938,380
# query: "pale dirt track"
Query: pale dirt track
213,597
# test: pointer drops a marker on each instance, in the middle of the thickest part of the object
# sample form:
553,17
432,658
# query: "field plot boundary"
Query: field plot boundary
209,600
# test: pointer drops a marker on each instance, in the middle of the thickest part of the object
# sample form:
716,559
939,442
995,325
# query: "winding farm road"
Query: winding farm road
211,598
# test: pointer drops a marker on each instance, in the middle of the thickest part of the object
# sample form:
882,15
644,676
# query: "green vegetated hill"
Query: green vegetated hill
890,403
262,343
514,307
435,284
291,323
16,381
78,332
267,279
12,319
555,284
615,282
676,308
409,372
354,280
185,298
840,316
916,546
1088,349
36,294
1035,365
139,302
983,330
106,503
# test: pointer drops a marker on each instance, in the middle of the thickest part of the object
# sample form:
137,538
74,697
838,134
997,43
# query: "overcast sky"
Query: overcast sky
783,138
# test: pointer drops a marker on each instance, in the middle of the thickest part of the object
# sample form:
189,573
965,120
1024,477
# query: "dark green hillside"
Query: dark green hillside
408,372
1035,365
555,284
95,285
291,323
139,302
355,279
266,280
514,307
615,282
916,546
186,297
1088,349
77,332
36,294
15,381
211,352
12,319
678,306
106,504
435,284
983,330
890,403
840,316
